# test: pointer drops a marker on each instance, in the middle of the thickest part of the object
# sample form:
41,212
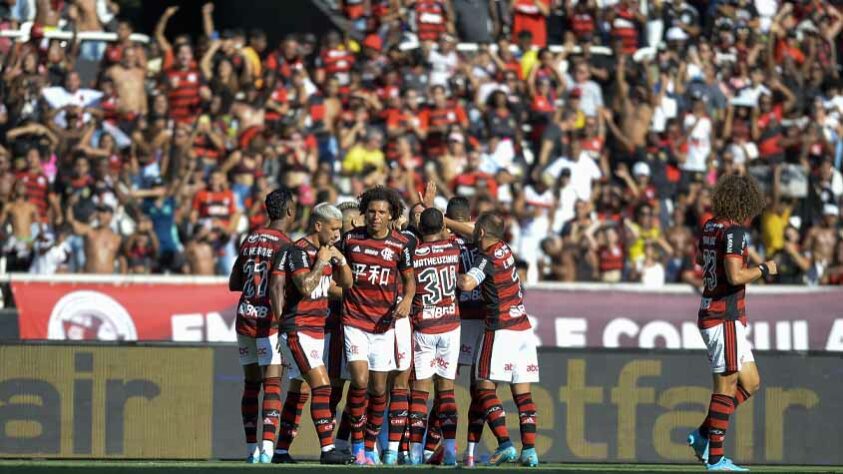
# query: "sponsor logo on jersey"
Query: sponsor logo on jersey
499,253
252,238
356,249
422,251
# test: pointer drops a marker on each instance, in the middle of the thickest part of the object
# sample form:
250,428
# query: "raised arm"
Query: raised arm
161,27
307,281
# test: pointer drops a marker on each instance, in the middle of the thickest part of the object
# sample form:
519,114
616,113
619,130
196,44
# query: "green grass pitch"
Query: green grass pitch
183,467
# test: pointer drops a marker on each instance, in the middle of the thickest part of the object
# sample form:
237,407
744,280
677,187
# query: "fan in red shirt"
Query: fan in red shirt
335,60
372,312
313,265
433,19
282,63
182,83
473,182
437,120
531,15
723,251
255,323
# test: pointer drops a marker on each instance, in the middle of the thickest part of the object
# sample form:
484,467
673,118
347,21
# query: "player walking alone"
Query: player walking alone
723,251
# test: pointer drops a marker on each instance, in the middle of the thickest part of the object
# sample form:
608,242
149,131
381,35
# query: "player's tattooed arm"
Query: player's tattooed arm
306,282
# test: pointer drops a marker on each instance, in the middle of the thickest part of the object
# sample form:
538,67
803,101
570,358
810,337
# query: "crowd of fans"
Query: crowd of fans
601,151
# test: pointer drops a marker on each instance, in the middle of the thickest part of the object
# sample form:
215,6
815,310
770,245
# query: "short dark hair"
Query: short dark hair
459,209
382,193
277,202
431,221
492,224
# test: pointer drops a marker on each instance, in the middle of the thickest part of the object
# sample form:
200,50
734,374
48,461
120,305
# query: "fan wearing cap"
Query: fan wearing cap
638,186
102,245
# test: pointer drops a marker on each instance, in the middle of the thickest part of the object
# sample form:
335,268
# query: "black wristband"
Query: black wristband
765,271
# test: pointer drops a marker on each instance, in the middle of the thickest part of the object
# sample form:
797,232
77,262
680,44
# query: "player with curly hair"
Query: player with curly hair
723,251
375,311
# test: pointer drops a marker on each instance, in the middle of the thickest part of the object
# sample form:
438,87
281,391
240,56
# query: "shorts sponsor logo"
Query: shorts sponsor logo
533,368
442,363
261,350
507,367
402,355
244,351
466,349
314,354
355,350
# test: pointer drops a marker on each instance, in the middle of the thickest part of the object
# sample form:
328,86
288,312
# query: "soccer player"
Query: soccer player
334,339
399,394
377,255
471,324
507,348
723,252
310,264
436,320
257,335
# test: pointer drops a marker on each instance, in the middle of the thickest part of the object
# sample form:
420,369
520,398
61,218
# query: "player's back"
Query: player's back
502,293
435,307
258,255
721,301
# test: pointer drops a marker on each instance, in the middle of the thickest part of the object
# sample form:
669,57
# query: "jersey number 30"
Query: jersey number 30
438,285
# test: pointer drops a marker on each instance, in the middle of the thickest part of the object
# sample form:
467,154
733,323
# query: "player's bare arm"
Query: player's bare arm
307,282
466,282
276,291
409,279
235,280
737,274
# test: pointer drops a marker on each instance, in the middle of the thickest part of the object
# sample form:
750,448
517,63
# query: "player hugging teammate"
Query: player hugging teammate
401,295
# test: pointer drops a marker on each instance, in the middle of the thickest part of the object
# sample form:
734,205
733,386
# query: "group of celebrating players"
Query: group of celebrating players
396,310
392,305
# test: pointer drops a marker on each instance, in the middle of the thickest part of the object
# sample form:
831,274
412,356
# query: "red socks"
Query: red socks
476,418
356,413
271,407
418,422
377,407
249,410
399,407
320,412
494,414
527,419
717,422
448,414
290,419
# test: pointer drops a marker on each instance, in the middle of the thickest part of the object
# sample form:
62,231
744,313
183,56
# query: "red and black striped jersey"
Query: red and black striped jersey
471,302
306,313
375,265
37,189
431,19
495,269
215,204
435,308
338,63
183,93
721,301
259,255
